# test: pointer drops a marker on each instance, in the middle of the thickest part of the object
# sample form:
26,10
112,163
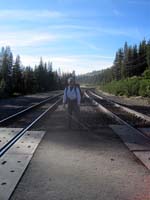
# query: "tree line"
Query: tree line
129,61
16,79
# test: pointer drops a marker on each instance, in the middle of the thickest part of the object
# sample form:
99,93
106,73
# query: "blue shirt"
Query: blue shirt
72,94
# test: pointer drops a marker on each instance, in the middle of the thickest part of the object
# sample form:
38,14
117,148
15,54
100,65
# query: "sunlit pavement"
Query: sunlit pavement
76,164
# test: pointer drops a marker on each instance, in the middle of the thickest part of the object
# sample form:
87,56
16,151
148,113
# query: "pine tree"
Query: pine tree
135,60
17,76
118,68
6,71
125,59
148,54
142,58
130,62
29,81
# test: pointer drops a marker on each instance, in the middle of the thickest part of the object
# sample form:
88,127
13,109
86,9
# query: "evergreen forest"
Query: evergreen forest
16,79
129,75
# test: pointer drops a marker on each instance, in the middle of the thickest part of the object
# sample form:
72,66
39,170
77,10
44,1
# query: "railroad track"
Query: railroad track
122,114
29,108
145,110
27,118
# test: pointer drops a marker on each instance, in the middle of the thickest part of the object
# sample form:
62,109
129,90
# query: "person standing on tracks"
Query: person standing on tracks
72,98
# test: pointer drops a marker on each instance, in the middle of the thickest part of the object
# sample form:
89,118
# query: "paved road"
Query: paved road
81,165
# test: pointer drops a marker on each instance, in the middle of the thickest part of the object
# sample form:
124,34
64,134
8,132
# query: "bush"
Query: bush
144,89
146,74
134,86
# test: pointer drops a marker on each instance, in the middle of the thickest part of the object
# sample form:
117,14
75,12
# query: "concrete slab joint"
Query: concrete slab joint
139,146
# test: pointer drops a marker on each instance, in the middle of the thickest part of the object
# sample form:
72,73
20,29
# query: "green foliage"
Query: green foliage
144,89
16,79
29,81
129,61
6,71
134,86
146,74
148,54
2,88
129,75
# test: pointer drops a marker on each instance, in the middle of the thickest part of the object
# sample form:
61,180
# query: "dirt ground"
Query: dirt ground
134,101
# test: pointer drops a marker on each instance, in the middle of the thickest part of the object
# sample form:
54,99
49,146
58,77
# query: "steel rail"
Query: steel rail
7,146
99,97
129,110
29,108
111,114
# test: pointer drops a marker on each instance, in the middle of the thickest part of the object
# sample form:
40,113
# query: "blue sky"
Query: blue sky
80,35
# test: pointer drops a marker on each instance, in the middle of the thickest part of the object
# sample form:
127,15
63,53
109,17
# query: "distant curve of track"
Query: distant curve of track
119,113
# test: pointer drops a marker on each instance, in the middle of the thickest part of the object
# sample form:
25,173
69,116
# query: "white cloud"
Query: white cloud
80,63
128,32
25,38
84,31
117,13
36,15
29,14
139,2
70,26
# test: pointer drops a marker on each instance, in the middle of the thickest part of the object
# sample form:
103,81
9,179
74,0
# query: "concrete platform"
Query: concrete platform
146,131
16,159
6,134
138,144
82,165
131,138
144,157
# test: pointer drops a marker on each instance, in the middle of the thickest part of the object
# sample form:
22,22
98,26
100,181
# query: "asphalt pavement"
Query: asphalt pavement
82,164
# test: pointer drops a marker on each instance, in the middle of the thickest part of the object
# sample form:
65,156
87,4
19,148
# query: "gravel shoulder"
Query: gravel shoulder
131,101
13,105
